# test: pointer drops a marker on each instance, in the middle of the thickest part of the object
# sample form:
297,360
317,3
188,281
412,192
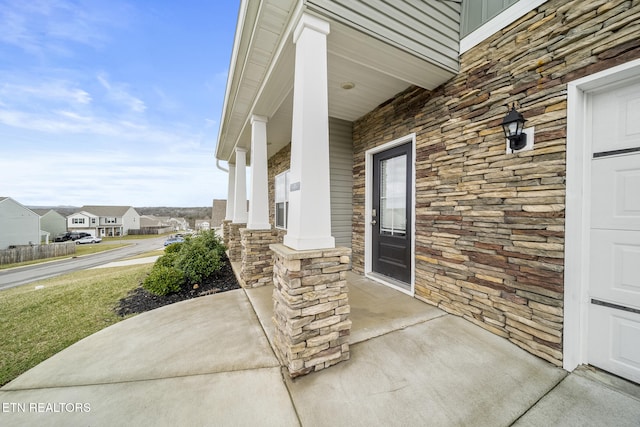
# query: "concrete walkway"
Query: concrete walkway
127,262
208,361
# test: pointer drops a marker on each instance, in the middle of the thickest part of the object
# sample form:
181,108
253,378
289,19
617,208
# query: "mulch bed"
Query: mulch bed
140,300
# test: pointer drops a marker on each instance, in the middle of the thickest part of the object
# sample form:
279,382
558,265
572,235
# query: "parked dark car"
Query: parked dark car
70,235
64,237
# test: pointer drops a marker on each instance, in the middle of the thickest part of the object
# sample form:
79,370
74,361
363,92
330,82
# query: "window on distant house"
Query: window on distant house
110,221
93,220
77,221
282,199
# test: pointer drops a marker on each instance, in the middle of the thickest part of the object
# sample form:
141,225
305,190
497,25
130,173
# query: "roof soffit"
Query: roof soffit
266,26
378,69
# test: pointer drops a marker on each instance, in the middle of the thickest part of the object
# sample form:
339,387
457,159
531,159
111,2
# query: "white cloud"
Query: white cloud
50,90
118,93
47,27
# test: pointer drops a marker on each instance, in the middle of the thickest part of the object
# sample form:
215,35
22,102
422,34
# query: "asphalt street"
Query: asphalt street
27,274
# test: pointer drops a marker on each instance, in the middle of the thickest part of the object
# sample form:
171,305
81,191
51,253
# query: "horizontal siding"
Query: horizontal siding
429,29
477,12
341,158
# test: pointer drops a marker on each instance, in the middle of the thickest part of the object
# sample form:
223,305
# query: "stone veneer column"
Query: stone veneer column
235,244
226,232
257,259
311,307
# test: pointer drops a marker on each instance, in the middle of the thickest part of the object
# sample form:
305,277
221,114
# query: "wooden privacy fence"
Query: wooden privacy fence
151,230
33,252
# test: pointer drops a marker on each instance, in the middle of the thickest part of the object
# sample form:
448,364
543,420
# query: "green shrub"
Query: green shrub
163,280
168,259
192,261
198,261
212,241
173,248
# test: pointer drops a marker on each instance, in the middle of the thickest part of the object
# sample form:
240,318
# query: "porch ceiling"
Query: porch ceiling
377,70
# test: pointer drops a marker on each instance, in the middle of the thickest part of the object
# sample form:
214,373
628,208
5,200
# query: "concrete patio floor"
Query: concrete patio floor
208,361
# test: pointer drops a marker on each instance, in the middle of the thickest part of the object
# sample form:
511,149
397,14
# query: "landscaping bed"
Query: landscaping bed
140,300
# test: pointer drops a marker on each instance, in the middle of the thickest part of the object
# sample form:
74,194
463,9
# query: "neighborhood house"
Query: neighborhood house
52,224
19,225
104,221
374,131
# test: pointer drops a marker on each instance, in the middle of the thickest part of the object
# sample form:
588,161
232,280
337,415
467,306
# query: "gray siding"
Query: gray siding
477,12
341,159
430,30
18,224
53,223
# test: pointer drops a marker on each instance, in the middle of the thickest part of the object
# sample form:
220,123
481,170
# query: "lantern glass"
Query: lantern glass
513,125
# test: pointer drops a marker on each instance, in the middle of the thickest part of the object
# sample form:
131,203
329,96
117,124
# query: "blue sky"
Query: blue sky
113,102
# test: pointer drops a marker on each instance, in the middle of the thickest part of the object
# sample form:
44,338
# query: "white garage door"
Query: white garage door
614,255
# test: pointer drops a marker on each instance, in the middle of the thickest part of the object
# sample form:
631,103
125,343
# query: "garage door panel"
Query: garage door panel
616,118
613,331
613,341
615,266
616,191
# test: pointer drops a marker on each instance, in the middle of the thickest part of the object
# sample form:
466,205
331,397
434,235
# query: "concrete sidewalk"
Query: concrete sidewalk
127,262
208,361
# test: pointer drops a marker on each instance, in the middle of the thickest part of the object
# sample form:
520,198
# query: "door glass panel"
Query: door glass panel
393,195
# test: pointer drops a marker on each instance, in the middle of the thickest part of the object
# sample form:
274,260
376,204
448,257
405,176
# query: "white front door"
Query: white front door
613,337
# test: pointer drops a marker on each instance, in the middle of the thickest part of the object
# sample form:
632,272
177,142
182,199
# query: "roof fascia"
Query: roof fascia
284,37
243,13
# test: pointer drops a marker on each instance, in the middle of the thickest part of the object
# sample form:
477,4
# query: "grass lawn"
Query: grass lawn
37,323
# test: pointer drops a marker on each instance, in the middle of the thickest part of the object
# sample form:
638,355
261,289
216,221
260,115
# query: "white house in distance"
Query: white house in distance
104,221
51,223
203,224
19,225
376,127
178,223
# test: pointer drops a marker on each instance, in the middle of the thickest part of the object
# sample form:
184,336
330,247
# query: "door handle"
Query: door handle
374,222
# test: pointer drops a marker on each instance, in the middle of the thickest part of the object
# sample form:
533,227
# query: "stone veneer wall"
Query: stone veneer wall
234,244
256,268
490,226
226,232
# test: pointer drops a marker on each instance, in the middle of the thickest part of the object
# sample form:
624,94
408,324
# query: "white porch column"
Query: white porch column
309,225
231,192
259,206
240,200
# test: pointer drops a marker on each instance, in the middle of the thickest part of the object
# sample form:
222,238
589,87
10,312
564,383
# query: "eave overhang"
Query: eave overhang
261,72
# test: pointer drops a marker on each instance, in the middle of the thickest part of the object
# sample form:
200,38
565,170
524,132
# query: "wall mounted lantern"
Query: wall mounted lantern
513,126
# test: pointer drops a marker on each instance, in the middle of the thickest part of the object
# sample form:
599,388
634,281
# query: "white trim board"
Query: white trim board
368,203
578,211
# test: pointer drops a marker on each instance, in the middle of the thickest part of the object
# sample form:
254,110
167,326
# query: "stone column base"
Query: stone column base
257,259
235,245
225,232
311,308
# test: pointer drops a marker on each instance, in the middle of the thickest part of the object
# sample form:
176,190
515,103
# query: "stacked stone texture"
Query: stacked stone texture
257,259
311,308
490,226
234,244
225,232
